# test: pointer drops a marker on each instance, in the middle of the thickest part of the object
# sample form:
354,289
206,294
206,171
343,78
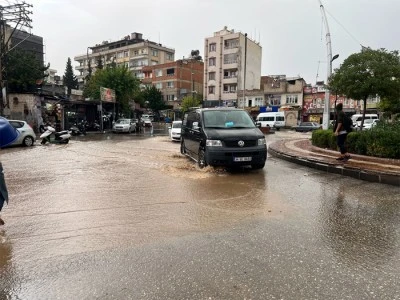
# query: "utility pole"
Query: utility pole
326,115
12,17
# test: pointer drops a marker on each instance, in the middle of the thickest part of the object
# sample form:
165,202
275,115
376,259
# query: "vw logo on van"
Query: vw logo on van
241,143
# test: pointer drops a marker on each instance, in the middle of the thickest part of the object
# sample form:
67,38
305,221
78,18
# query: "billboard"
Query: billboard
107,95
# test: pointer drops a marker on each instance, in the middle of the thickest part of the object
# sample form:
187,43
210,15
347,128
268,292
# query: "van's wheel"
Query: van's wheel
202,159
183,149
28,141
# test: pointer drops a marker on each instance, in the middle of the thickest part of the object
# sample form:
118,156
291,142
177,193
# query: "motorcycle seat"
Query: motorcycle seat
61,132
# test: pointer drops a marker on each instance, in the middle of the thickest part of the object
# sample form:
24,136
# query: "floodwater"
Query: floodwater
128,217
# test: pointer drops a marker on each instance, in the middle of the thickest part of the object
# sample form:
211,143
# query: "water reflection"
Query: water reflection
5,266
359,231
228,198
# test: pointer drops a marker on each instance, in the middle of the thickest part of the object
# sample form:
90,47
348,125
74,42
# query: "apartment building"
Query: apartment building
26,41
224,68
176,79
281,91
133,51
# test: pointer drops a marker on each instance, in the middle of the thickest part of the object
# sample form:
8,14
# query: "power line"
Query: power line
13,17
345,29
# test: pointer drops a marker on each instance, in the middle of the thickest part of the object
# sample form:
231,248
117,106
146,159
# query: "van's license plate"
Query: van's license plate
242,158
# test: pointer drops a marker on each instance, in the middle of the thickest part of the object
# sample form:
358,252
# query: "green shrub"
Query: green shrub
324,139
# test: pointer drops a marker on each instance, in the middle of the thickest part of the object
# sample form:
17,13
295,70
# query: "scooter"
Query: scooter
78,129
53,137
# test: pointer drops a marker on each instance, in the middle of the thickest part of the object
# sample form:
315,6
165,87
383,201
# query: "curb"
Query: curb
357,173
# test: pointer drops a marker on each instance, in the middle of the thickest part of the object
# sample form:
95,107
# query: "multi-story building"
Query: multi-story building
314,100
224,68
281,91
132,51
26,41
176,79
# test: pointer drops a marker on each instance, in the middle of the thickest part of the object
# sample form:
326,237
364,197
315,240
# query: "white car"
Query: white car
175,130
124,125
146,123
27,136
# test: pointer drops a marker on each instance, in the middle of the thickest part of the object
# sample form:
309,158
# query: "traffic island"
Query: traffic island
369,169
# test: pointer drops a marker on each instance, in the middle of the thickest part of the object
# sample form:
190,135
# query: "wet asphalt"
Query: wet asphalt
128,217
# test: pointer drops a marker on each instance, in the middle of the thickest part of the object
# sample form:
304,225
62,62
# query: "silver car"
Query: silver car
27,136
124,125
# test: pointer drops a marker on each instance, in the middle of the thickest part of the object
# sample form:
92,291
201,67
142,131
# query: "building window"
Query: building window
120,54
159,85
230,73
158,73
154,52
230,44
126,53
230,88
211,76
230,58
170,97
170,84
170,56
211,89
153,62
171,72
212,61
212,47
143,51
292,99
136,52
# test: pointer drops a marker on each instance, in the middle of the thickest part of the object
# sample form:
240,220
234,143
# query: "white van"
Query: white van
356,118
147,116
271,119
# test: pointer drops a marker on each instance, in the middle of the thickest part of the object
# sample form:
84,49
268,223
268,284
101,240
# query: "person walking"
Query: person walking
8,134
341,133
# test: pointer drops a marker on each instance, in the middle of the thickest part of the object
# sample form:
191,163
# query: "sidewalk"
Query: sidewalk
367,168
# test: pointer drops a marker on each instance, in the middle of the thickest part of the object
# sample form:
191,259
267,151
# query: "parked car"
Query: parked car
146,122
369,123
223,137
124,125
175,130
27,136
307,126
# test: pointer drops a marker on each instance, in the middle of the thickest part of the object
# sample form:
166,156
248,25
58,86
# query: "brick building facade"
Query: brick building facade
176,79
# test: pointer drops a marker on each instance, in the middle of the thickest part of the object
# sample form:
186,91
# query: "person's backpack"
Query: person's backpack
347,123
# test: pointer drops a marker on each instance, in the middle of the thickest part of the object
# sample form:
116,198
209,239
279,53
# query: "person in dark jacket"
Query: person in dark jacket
341,134
8,134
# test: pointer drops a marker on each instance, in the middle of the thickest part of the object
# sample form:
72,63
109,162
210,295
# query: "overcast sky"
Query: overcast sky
291,32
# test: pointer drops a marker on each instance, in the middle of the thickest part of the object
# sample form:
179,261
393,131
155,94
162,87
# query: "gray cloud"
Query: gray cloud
289,30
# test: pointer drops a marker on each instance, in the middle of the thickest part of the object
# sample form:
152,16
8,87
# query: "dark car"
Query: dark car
307,126
223,137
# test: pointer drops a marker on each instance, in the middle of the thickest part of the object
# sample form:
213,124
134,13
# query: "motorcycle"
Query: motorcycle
53,137
78,129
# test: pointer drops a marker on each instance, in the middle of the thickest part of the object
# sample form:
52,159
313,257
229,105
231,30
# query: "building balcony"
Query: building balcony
79,67
230,92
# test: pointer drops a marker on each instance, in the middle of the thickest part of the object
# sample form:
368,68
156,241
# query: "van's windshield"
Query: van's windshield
227,119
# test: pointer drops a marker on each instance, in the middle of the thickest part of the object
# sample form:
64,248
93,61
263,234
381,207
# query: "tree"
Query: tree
369,73
24,71
119,79
154,98
188,102
70,80
99,63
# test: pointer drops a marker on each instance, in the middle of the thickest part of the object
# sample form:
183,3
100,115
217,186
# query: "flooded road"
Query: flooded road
128,217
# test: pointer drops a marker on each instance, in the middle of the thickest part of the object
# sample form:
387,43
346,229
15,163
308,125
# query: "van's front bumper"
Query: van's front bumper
222,156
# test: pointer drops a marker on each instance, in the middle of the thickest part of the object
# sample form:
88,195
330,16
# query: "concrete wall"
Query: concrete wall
26,107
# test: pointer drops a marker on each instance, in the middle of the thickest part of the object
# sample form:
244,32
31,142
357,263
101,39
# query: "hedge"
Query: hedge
380,141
